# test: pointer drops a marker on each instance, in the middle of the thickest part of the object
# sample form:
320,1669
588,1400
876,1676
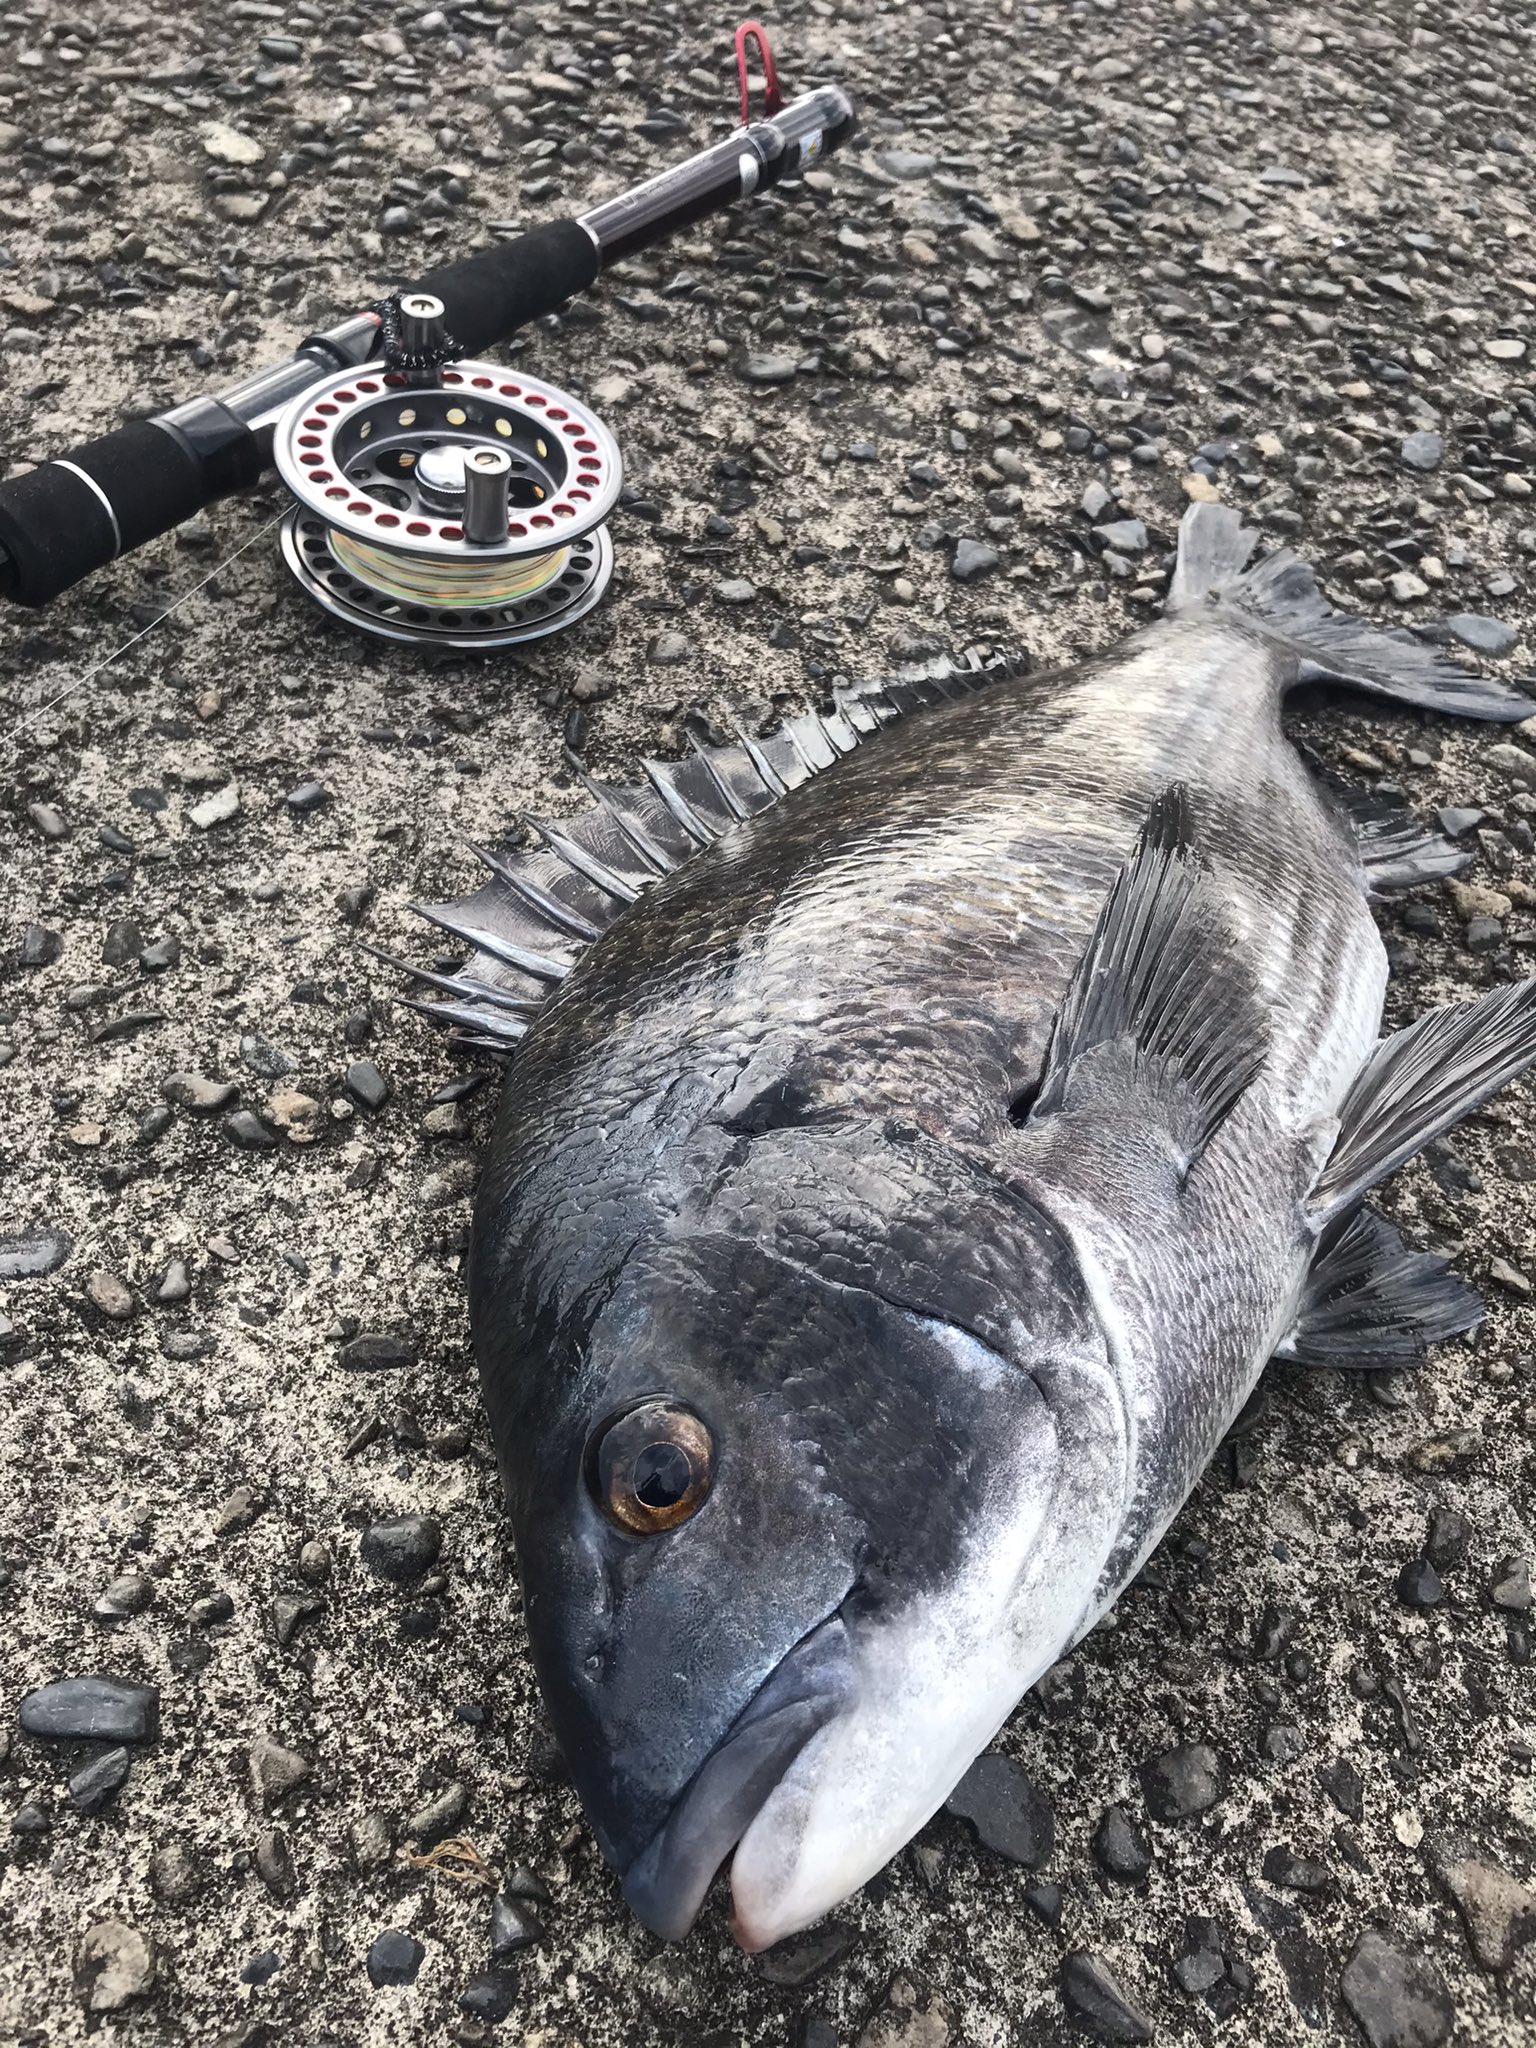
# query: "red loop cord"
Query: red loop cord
773,99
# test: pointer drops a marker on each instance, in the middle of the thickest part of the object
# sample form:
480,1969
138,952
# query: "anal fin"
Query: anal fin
1422,1080
1371,1303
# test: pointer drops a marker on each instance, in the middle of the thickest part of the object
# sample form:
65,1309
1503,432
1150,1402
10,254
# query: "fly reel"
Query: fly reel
451,504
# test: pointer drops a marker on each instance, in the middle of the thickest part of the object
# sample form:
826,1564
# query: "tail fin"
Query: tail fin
1282,599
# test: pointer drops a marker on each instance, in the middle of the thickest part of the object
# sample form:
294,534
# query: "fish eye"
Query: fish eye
651,1466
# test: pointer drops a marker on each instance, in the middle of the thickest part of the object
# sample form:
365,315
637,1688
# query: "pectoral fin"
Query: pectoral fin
1161,1015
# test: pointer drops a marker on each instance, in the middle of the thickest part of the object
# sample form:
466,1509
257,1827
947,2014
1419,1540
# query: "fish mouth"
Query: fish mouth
811,1684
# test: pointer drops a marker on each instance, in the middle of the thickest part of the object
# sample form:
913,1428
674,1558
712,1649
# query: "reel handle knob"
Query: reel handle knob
487,476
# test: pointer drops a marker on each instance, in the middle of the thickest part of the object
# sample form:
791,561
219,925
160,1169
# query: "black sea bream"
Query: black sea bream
902,1180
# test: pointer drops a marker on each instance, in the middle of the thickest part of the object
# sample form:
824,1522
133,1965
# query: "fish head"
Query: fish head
791,1551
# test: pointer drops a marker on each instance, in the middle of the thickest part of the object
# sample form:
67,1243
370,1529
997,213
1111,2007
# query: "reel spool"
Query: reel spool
451,504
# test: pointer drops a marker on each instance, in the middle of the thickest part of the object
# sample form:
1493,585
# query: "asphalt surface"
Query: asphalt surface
1112,255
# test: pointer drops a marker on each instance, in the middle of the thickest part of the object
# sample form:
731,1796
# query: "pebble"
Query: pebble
1511,1586
800,1961
217,809
402,1547
366,1085
1420,1586
274,1863
371,1841
246,1130
514,1925
1490,637
122,942
1398,1997
735,590
111,1295
1294,1873
114,1964
1124,536
196,1092
1423,450
770,369
49,820
490,1995
439,1816
97,1783
394,1958
1120,1849
910,2018
1498,1913
92,1709
668,649
1406,587
1182,1782
308,796
376,1351
33,1254
1096,2000
175,1874
275,1771
972,560
265,1059
1008,1811
128,1594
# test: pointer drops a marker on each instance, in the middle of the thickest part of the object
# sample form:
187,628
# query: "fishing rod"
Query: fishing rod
439,498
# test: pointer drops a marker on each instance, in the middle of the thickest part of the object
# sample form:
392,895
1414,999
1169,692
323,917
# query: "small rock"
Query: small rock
39,946
372,1842
217,809
668,649
489,1995
96,1784
514,1926
1423,451
113,1965
765,369
439,1816
1009,1813
1511,1587
1399,1998
394,1958
128,1594
1293,1873
275,1771
1490,637
49,820
111,1295
1420,1586
246,1129
735,590
1095,1998
274,1863
366,1085
972,560
1120,1849
402,1547
175,1875
93,1709
238,1510
909,2018
1406,587
376,1351
266,1059
307,797
1499,1914
33,1254
1182,1782
197,1093
800,1961
1124,536
227,145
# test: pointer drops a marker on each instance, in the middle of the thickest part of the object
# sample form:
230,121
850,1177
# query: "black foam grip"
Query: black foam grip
487,297
55,528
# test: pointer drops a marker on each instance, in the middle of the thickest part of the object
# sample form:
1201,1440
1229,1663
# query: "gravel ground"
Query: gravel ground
1085,262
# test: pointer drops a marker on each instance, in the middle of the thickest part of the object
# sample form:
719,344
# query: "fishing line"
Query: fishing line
80,682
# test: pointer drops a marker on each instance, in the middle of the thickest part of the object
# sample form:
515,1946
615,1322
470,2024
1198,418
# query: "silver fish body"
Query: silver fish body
903,1197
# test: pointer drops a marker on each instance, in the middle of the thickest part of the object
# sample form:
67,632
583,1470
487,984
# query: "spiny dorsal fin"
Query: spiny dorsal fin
1370,1302
1421,1081
1160,1012
529,923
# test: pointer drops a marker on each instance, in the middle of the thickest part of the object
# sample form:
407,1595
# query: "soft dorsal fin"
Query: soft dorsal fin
541,907
1161,1012
1370,1302
1421,1081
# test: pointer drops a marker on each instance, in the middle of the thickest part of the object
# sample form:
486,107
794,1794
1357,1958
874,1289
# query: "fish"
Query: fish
920,1130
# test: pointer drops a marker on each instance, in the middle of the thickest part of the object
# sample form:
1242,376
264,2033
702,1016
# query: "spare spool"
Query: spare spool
459,505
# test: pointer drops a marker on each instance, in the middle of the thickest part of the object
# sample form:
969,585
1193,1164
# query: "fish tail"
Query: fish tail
1281,598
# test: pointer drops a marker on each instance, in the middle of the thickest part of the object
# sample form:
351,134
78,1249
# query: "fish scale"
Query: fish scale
965,1094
